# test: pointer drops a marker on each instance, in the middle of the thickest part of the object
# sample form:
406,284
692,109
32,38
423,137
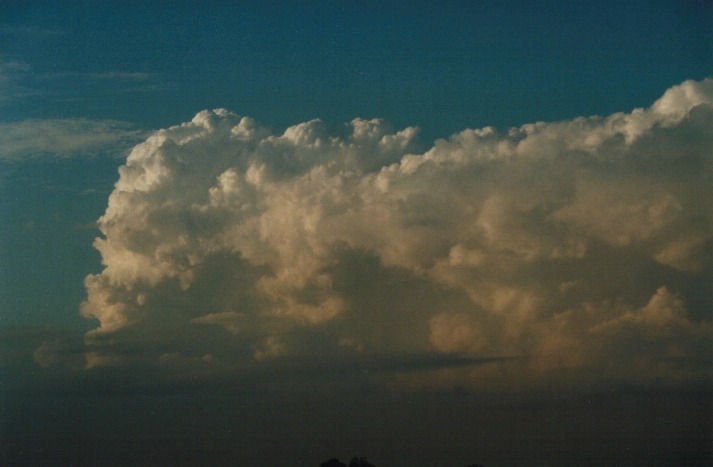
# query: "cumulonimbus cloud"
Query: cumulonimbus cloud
581,244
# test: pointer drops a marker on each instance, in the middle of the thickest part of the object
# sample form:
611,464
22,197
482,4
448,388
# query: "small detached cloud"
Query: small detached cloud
583,246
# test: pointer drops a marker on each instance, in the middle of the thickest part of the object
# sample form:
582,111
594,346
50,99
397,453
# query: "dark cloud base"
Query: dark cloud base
630,426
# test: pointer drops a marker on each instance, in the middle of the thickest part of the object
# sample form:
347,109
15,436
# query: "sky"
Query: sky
433,234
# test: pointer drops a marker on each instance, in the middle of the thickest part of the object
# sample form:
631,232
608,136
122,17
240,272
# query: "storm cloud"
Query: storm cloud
582,247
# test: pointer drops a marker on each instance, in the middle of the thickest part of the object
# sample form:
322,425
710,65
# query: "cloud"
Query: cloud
29,31
65,138
583,245
18,81
114,76
13,73
122,76
229,320
46,346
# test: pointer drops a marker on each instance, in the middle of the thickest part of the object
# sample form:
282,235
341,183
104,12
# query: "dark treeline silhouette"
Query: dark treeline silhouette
355,462
333,463
359,462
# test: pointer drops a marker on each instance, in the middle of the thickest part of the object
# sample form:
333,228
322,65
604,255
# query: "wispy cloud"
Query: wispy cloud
21,345
130,76
13,85
65,138
122,75
18,81
29,31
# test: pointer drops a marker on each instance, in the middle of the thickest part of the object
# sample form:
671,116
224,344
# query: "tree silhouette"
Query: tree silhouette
333,463
360,462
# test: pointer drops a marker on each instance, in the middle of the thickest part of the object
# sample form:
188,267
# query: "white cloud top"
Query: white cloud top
577,244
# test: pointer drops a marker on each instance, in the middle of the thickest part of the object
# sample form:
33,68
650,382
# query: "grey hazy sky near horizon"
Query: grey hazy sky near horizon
423,215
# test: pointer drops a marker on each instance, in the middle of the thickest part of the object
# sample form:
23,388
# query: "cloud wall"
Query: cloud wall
582,245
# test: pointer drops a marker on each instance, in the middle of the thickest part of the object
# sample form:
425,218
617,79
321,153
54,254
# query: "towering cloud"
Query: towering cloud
580,245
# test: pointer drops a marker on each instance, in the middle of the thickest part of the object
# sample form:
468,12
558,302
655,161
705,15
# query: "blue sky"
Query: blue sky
461,64
425,237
